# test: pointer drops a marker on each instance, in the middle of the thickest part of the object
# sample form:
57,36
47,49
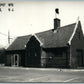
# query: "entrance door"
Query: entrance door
15,60
80,57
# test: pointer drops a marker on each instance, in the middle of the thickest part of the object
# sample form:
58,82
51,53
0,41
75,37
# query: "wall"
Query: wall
33,53
43,58
10,57
2,56
76,43
53,57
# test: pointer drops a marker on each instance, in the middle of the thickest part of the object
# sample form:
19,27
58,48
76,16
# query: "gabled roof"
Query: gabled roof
19,43
58,38
50,39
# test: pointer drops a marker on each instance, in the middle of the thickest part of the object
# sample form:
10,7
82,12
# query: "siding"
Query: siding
56,57
76,43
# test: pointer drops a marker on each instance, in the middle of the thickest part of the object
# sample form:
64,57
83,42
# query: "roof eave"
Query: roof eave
76,26
56,47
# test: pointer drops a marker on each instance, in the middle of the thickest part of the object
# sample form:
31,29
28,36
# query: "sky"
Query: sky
31,17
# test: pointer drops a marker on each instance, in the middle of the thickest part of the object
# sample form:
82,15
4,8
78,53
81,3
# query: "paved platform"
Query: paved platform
50,75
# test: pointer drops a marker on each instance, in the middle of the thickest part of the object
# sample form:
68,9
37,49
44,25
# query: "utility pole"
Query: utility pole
9,37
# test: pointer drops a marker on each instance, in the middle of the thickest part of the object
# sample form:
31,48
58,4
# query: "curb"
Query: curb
43,69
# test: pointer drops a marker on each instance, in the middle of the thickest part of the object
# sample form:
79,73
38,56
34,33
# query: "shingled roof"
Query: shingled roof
50,39
19,43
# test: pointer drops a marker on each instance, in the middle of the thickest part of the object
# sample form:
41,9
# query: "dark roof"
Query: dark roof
19,43
50,39
59,38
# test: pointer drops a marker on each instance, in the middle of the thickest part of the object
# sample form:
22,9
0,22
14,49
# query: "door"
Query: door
15,60
80,57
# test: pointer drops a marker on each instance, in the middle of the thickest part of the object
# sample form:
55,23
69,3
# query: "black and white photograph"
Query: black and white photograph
41,41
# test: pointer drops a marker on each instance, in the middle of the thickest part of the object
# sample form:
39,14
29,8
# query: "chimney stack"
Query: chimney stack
56,20
56,23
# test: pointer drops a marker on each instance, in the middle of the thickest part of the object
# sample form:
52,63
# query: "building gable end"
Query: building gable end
74,31
41,43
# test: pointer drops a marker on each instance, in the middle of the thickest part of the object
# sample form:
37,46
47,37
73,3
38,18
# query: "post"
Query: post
8,37
11,61
17,60
14,60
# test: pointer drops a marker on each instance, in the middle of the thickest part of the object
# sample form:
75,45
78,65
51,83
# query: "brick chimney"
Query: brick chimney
56,23
56,20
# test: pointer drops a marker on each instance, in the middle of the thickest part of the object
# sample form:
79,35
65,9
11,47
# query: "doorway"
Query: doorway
80,57
15,60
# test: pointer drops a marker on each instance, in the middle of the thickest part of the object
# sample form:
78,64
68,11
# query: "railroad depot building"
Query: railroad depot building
58,47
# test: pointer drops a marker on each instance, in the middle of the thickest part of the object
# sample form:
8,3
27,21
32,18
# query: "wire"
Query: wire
5,34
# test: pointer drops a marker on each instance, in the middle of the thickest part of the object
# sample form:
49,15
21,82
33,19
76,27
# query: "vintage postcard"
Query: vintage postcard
41,41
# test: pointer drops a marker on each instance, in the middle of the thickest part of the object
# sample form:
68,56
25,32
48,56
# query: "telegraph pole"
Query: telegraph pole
9,38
